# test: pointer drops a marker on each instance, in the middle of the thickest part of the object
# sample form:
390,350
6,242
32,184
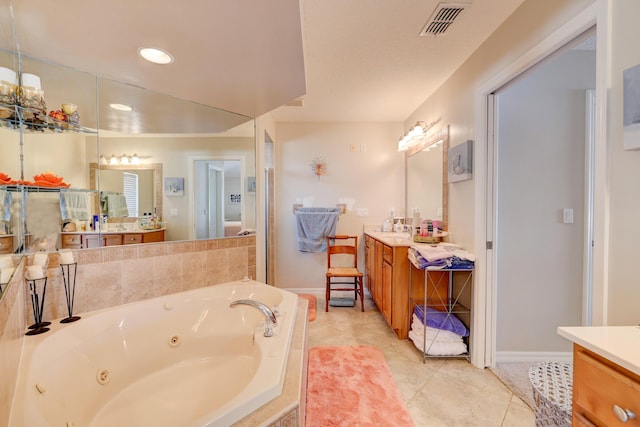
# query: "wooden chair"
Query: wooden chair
348,275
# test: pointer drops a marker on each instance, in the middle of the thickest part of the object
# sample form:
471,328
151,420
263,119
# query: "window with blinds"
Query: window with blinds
130,191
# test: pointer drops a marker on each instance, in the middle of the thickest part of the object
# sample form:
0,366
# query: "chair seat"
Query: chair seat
343,272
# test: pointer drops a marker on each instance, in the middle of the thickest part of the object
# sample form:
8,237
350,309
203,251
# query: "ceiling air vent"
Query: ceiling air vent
442,18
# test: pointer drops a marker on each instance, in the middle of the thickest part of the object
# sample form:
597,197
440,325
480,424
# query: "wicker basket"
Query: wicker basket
552,392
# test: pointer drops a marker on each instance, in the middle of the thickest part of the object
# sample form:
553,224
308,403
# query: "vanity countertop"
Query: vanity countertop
619,344
139,231
391,238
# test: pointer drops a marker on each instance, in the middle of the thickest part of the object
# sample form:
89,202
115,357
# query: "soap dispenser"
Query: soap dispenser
386,225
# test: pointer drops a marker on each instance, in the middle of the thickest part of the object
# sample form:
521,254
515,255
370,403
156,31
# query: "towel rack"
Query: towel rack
342,206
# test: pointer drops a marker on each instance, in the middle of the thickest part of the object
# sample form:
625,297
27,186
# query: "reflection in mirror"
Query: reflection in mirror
46,161
426,181
139,184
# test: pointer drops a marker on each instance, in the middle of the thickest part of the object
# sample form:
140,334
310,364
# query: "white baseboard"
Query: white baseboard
534,356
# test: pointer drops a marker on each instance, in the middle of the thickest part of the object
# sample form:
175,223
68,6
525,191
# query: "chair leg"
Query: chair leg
327,295
361,293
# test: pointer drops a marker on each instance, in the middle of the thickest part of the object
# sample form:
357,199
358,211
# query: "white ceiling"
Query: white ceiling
365,60
357,60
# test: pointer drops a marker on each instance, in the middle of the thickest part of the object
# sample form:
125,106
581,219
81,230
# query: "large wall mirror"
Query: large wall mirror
193,165
426,177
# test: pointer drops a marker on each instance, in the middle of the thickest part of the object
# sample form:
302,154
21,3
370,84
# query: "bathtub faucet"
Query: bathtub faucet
270,317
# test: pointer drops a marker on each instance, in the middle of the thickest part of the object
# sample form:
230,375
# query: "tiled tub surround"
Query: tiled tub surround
112,276
118,366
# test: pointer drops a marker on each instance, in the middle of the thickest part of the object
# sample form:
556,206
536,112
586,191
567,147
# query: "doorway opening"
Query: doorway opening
218,198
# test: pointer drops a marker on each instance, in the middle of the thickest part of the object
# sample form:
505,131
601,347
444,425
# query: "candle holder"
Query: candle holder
69,281
37,303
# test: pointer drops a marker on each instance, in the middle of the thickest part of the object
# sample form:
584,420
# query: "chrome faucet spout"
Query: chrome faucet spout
263,308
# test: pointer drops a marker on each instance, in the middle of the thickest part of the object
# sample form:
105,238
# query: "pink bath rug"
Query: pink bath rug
312,305
352,386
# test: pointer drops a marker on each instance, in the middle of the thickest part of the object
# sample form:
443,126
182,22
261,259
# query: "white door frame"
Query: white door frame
484,313
191,160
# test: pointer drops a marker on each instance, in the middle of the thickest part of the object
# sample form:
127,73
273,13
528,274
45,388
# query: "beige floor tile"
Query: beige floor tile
519,416
440,392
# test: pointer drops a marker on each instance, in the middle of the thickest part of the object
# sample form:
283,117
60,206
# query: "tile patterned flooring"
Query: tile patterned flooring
439,393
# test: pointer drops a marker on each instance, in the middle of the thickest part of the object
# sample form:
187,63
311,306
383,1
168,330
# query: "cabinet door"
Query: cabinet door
6,245
153,236
599,386
387,286
91,241
112,239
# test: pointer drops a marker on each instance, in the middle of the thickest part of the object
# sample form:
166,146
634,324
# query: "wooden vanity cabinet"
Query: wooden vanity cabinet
94,240
387,270
6,244
600,388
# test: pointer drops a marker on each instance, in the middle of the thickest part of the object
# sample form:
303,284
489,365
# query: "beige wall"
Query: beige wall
118,275
624,290
454,102
371,178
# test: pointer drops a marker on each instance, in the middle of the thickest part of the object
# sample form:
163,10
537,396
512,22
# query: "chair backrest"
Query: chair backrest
343,248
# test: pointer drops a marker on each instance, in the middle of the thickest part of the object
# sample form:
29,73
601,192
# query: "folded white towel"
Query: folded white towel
437,348
431,253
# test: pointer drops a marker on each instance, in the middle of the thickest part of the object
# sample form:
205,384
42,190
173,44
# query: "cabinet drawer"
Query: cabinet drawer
6,244
387,254
112,239
131,239
599,386
71,240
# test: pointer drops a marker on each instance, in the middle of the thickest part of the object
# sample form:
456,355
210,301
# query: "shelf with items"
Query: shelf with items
18,188
440,311
36,120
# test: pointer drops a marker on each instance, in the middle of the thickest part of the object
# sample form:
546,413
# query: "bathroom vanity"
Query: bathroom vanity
387,277
92,239
606,375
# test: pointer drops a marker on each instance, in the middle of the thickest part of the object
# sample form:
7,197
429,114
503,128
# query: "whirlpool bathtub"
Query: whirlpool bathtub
185,359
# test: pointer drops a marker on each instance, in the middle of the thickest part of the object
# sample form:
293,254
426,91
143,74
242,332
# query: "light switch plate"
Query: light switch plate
362,212
173,212
567,216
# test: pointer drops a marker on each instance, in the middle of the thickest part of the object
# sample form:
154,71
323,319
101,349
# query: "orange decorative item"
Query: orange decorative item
319,166
6,179
49,180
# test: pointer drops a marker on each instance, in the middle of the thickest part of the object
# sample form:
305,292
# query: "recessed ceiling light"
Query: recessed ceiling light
121,107
157,56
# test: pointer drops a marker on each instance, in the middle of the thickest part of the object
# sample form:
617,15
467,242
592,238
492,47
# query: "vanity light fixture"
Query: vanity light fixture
155,55
113,160
417,136
124,160
103,160
135,160
121,107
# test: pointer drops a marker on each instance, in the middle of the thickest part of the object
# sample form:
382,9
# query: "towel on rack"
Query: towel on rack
440,320
5,205
74,205
313,225
116,205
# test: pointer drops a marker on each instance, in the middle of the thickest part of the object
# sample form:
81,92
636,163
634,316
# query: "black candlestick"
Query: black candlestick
69,289
38,305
